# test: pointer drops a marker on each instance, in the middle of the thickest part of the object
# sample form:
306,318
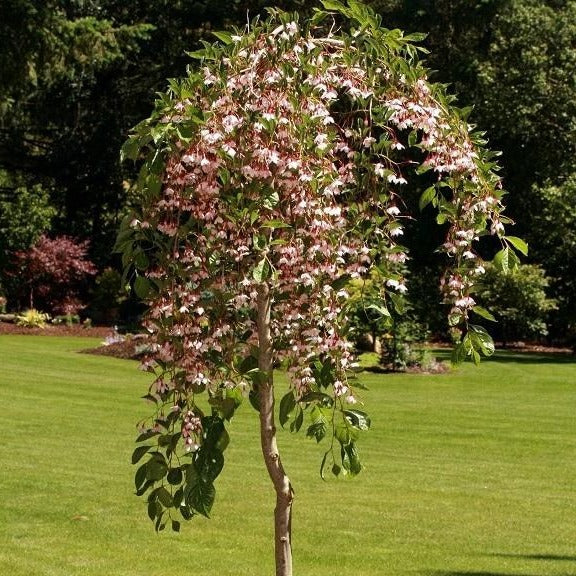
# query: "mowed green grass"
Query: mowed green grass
471,473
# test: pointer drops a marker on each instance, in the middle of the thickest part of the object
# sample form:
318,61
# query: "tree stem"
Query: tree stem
281,482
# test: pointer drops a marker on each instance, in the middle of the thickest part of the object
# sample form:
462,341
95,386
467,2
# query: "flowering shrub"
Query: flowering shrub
273,175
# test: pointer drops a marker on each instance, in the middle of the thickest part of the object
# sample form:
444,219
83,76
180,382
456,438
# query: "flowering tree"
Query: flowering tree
271,176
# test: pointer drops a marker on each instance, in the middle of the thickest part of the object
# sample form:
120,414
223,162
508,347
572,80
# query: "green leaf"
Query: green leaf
475,357
334,5
164,497
141,261
130,149
317,430
341,282
518,243
342,434
483,313
156,467
358,419
262,271
429,195
296,424
275,224
254,398
287,405
351,461
174,476
502,260
200,497
271,201
416,37
481,340
224,37
154,509
140,476
208,463
147,435
247,364
320,397
398,302
142,287
139,452
455,319
323,464
197,54
381,310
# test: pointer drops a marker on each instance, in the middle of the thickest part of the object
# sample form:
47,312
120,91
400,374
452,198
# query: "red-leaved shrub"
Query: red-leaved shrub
54,273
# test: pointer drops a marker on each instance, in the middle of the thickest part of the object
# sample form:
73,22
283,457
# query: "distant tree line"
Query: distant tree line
76,75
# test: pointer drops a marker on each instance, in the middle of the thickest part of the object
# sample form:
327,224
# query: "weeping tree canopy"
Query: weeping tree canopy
272,174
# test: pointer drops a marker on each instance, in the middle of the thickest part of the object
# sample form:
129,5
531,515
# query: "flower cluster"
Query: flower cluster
285,162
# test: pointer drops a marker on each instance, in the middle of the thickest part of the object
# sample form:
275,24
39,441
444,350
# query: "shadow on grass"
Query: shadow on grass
549,557
473,573
509,356
555,557
482,573
503,357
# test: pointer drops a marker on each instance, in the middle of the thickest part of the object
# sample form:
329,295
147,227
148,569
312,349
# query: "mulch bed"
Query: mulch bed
57,330
129,349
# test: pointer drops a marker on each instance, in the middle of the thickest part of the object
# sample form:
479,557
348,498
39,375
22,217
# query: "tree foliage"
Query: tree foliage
557,249
513,61
271,176
25,214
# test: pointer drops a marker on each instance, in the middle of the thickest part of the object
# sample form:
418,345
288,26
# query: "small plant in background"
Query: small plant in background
402,345
67,319
107,297
32,318
385,323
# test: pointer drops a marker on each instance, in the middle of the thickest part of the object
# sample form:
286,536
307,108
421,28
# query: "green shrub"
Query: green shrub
68,319
402,344
518,300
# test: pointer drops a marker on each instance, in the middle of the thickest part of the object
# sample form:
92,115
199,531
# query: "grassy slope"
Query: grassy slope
470,473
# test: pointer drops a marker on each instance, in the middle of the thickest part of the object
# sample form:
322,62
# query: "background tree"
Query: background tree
76,75
23,218
270,177
556,215
514,62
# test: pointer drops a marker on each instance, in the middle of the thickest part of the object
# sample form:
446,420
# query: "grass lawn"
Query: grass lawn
470,473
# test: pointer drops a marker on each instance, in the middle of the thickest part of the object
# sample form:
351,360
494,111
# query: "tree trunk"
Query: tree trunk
281,482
